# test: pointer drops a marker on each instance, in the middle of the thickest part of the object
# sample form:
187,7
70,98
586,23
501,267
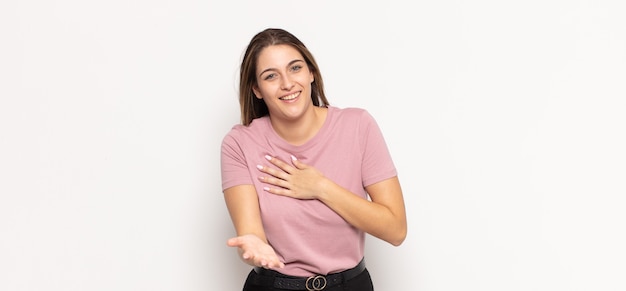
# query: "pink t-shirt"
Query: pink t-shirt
307,235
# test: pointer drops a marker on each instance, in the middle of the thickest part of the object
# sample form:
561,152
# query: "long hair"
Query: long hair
252,107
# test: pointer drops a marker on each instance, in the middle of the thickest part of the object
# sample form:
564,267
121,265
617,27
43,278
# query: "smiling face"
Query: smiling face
284,82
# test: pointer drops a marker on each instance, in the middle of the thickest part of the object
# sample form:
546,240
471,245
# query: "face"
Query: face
284,82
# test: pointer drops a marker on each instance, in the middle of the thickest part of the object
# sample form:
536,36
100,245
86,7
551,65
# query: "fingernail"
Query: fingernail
259,167
266,188
293,158
268,158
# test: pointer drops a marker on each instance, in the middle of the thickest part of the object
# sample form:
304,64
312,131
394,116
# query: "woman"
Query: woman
297,173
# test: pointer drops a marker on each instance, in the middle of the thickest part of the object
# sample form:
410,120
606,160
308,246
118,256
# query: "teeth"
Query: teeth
289,97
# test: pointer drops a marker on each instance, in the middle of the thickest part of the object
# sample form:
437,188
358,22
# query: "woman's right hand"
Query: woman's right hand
256,252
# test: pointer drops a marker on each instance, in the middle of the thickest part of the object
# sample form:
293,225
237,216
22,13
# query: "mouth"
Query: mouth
290,96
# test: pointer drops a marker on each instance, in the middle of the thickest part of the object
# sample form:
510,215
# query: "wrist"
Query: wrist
326,186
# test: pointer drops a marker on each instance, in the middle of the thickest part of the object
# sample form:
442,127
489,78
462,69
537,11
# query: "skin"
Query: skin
281,71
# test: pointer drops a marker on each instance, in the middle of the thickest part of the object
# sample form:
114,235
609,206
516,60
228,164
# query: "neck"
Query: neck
298,132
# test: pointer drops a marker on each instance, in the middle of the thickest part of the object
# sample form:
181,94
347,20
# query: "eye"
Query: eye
269,76
296,68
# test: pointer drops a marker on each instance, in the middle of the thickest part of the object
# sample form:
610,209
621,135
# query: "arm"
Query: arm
243,207
383,217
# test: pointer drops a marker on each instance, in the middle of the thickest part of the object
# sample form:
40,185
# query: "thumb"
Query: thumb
233,242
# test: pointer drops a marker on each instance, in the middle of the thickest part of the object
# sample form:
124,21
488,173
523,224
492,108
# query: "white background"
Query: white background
505,120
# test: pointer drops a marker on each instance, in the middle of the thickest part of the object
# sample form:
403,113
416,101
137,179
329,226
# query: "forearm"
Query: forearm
384,217
243,207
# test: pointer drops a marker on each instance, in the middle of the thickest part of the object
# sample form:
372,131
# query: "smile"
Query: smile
290,96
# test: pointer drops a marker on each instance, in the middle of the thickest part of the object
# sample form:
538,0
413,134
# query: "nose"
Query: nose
286,83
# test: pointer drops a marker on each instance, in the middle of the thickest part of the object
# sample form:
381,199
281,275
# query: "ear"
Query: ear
312,77
256,92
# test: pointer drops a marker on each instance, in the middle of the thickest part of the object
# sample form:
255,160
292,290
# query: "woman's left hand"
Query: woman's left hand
297,180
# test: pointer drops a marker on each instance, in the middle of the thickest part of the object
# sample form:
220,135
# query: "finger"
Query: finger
265,264
276,173
278,191
279,163
297,163
275,182
277,265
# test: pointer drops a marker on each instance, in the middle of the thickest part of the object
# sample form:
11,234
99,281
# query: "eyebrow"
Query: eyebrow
289,64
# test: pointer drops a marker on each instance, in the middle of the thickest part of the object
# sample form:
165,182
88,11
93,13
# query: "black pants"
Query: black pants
362,282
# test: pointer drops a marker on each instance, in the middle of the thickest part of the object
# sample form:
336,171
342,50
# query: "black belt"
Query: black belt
313,283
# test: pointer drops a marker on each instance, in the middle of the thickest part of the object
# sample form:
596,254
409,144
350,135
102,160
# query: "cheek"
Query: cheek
259,90
264,91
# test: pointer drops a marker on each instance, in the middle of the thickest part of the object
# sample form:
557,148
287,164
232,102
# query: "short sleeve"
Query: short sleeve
377,163
234,167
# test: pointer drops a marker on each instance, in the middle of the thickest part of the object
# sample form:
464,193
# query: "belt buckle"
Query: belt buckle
315,283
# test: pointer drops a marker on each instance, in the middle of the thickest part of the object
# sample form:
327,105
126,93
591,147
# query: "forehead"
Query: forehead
276,56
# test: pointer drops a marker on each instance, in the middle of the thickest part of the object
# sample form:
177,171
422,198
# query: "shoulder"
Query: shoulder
352,115
233,134
350,112
240,133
